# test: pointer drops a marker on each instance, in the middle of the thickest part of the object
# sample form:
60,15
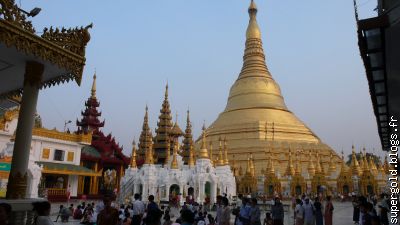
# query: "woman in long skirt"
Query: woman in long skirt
328,211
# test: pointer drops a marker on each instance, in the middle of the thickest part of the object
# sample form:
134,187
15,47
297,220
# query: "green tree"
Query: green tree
358,156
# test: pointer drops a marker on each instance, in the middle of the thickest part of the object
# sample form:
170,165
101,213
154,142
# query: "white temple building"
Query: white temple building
199,180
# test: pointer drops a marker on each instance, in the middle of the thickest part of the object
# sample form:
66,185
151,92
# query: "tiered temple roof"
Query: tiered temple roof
188,140
164,126
144,139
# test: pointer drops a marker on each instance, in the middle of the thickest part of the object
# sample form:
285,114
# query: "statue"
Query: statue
110,178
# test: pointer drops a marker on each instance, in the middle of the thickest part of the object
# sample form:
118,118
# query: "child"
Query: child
268,219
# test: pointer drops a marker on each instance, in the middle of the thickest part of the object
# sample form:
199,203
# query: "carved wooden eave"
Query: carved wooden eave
62,51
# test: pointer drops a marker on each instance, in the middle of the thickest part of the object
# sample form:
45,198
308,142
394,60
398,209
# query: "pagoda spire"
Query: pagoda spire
319,168
386,166
145,138
220,161
290,169
372,166
188,140
203,153
252,167
344,168
164,127
248,169
271,169
311,166
355,167
93,90
149,155
191,161
226,160
133,158
90,117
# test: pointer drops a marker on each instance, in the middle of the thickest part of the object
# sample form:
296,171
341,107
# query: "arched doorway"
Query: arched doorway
370,190
174,191
346,189
270,190
298,190
207,192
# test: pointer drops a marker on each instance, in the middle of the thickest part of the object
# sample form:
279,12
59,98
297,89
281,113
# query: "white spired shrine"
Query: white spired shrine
201,180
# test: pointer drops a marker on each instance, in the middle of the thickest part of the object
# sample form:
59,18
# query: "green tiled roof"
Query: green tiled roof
64,166
91,151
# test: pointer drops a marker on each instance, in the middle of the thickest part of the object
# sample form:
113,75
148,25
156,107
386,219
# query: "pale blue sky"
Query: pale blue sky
136,46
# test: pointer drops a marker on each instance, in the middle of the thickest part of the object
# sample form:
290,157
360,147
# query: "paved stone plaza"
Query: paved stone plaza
342,216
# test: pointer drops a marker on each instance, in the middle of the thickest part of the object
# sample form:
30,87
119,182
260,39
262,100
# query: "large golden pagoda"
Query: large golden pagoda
256,115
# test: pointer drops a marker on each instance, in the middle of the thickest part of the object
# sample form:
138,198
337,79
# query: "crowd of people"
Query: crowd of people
246,211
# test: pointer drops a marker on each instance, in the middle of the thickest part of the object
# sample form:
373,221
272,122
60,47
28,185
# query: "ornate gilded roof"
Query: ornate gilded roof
62,47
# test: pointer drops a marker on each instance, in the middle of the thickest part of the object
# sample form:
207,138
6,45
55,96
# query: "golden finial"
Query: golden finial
174,163
220,161
226,160
253,31
166,91
372,166
133,157
319,168
93,90
191,161
203,153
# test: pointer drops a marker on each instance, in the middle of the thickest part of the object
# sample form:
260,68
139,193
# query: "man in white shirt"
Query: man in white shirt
299,212
137,210
308,212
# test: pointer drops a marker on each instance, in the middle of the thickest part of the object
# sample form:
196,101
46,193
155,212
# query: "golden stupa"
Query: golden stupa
256,118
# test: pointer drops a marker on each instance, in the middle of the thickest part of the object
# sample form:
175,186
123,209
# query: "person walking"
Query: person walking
356,209
328,211
383,210
243,217
109,215
299,213
277,212
308,212
225,212
255,213
318,212
137,210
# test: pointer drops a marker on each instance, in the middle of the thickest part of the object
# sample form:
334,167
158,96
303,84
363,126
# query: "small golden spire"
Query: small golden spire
174,163
271,169
203,153
372,166
133,157
191,161
311,166
355,167
289,169
332,165
149,154
252,167
93,91
220,161
248,169
226,160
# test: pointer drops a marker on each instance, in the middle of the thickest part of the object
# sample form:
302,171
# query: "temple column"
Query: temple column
95,188
17,184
